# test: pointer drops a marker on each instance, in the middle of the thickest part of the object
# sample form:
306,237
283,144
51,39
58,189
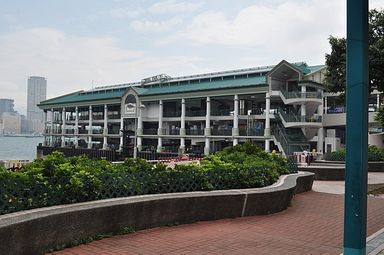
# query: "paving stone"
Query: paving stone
313,224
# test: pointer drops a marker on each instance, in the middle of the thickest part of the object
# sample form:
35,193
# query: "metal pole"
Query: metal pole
355,209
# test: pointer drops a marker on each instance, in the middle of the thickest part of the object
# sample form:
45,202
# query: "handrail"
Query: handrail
299,94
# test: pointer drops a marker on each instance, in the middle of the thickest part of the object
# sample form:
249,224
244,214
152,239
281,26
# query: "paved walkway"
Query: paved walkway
312,225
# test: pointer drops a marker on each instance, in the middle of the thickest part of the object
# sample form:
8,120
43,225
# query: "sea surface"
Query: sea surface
19,147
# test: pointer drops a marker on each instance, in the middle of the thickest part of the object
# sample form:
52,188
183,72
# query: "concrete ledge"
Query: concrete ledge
325,172
38,230
335,170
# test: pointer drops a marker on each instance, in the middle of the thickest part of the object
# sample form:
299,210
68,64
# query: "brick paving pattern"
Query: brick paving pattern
312,225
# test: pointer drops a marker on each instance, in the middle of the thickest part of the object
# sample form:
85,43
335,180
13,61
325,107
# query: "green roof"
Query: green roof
220,84
316,68
82,96
109,93
116,93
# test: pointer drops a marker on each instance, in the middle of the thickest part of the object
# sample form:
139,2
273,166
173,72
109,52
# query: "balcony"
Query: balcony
298,97
97,116
113,131
196,113
113,116
251,131
222,112
97,131
194,131
223,132
171,131
171,114
299,94
150,131
83,131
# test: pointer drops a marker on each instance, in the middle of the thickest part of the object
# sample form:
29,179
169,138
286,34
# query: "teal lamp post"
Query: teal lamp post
355,208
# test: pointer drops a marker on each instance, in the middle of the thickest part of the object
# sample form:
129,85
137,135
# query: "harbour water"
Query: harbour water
18,147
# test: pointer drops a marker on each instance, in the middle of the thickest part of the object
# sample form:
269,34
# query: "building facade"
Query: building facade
11,123
6,105
281,107
36,93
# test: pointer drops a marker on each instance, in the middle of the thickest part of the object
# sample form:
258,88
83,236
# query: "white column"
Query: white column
235,129
63,127
76,126
182,126
45,127
90,128
378,102
160,130
139,130
267,129
121,135
207,130
51,131
105,128
320,131
303,107
325,104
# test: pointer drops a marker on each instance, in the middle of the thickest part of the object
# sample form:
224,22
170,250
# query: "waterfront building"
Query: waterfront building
11,123
281,107
6,105
37,92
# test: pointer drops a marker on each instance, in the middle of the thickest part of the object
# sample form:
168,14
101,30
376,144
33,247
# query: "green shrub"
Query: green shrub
374,154
59,180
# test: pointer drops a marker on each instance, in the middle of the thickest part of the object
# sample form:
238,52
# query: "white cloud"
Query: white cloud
378,4
289,29
155,26
127,12
268,25
173,6
70,63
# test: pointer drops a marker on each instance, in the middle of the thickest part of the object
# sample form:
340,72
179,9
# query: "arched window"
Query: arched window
130,104
131,99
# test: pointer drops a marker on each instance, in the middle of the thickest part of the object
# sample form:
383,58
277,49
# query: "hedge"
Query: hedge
59,180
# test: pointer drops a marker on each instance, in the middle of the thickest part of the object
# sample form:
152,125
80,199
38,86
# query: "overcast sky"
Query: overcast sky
79,43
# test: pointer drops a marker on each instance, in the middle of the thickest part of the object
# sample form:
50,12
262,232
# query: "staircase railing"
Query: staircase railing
290,143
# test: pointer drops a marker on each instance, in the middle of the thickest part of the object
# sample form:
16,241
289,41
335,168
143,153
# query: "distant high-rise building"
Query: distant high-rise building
6,105
37,92
11,123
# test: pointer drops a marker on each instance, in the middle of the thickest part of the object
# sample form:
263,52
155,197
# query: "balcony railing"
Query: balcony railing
69,131
83,117
83,131
97,131
299,94
150,131
113,116
194,131
97,117
226,132
292,117
251,131
195,113
168,114
171,132
221,112
113,131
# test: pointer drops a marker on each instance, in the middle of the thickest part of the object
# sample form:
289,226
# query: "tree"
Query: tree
379,117
336,61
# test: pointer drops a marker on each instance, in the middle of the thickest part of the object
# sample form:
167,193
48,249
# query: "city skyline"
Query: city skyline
78,45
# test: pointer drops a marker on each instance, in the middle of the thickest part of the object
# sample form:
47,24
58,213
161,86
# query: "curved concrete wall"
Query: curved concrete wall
38,230
335,170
